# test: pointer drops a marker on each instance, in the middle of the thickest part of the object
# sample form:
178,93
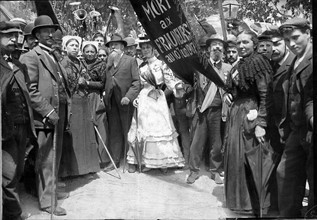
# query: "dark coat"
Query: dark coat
6,74
278,92
44,86
302,106
125,78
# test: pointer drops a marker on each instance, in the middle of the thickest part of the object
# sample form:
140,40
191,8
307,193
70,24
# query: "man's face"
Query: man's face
265,48
116,46
278,49
8,41
31,41
297,41
216,50
232,54
100,40
45,36
130,50
245,45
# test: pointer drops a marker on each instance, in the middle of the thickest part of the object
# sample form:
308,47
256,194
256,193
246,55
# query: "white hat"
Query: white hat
68,37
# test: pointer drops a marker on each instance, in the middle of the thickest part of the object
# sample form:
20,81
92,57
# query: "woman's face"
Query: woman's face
245,45
147,50
90,52
72,48
102,54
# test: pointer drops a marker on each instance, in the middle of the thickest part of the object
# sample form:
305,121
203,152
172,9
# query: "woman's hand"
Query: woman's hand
259,133
135,102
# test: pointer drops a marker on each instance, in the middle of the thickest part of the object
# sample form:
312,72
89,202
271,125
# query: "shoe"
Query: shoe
193,176
163,170
132,168
110,167
58,211
145,169
61,184
216,177
62,195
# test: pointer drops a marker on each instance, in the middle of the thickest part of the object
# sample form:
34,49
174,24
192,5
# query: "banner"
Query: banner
44,7
166,25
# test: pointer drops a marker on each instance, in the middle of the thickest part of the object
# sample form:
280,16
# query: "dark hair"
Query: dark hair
253,35
70,40
90,45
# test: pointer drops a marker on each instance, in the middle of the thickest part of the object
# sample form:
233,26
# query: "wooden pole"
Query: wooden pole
0,158
222,19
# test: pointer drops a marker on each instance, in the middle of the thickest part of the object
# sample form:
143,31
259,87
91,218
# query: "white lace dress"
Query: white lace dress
155,126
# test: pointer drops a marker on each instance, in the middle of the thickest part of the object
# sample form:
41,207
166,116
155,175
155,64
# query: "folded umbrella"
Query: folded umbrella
261,161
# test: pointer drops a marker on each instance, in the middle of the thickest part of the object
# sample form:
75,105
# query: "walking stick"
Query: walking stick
103,143
53,170
125,143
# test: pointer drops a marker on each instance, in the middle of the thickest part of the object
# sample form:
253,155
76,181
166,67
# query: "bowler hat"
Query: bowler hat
28,29
43,21
116,38
130,41
215,37
265,36
9,27
295,22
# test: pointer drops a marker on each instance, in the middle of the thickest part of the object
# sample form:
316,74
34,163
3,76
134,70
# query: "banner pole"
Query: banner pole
222,19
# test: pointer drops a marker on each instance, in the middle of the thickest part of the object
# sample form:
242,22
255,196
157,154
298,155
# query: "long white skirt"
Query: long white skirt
156,128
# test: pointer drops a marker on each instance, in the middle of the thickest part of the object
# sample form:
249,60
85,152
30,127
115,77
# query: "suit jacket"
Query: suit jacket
278,92
6,74
302,106
44,85
122,81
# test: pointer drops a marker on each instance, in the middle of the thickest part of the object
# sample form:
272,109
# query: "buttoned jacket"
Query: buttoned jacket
44,86
6,75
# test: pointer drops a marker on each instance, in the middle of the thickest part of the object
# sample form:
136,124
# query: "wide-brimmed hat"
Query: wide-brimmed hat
43,21
9,27
215,37
130,41
28,29
116,38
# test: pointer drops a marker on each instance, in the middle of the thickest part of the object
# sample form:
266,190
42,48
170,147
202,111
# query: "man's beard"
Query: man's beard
216,54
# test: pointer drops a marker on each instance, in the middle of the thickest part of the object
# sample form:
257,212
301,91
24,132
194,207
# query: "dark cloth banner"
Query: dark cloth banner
44,7
166,25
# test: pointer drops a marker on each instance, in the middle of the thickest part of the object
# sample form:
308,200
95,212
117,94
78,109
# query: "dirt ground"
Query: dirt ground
151,195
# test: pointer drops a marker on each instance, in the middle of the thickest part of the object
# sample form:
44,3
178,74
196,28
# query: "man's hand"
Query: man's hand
53,118
259,133
228,98
82,81
125,101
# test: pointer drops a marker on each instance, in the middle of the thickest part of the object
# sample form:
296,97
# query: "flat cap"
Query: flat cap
9,27
296,22
265,36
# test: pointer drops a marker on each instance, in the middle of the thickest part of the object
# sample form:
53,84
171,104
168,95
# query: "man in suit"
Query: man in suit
50,99
29,39
296,121
122,86
209,124
16,117
282,59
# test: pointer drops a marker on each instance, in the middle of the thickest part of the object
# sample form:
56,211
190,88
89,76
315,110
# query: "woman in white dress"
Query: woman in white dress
153,123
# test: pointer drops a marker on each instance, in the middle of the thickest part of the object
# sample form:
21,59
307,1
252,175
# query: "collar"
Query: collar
45,48
284,58
152,59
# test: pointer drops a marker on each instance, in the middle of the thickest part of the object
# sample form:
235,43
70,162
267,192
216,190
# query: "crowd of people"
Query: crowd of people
64,97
